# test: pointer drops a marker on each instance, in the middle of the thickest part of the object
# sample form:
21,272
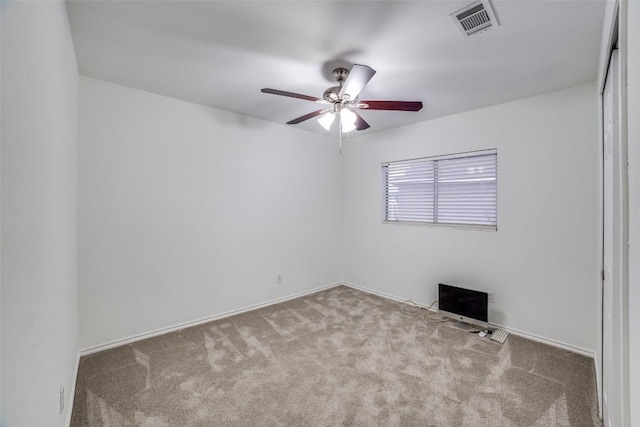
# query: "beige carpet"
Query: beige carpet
339,357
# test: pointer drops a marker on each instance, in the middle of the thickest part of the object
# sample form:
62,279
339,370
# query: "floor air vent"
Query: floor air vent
475,18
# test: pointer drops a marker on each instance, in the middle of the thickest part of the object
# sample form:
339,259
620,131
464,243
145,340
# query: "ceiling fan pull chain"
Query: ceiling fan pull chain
340,137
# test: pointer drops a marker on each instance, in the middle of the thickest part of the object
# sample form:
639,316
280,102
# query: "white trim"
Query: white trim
609,24
600,254
611,18
460,155
598,365
383,295
548,341
72,392
150,334
456,226
184,325
532,337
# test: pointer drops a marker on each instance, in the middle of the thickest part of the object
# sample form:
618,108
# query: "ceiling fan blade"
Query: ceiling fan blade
357,79
391,105
361,124
293,95
308,116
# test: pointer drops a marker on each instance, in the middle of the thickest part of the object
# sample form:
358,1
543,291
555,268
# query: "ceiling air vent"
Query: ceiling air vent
475,18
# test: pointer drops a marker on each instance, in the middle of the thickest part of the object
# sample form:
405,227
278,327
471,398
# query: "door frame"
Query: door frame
606,48
614,35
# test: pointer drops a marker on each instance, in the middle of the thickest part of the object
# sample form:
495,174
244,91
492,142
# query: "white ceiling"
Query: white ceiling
221,53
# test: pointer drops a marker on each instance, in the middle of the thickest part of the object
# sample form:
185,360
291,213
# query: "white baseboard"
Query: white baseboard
173,328
598,385
72,392
548,341
528,335
383,295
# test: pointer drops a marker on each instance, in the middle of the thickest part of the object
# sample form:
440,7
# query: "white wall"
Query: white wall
633,137
542,262
187,211
39,253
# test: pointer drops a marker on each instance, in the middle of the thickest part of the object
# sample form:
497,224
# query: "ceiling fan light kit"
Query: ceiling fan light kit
347,120
327,120
343,100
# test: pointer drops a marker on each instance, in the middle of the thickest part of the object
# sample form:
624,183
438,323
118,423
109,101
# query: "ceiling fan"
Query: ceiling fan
342,100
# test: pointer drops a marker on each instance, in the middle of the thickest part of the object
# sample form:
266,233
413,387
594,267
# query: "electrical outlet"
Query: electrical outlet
61,399
491,297
279,278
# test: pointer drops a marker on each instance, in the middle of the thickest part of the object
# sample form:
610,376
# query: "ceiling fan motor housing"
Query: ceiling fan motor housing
340,74
333,93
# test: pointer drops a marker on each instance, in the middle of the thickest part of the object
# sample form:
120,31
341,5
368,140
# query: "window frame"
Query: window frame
467,226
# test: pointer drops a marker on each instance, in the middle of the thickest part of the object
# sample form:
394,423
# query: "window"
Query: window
454,190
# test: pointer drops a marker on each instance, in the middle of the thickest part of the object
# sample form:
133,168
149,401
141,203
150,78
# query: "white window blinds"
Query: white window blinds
459,189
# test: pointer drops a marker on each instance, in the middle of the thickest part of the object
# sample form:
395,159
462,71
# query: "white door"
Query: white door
613,295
